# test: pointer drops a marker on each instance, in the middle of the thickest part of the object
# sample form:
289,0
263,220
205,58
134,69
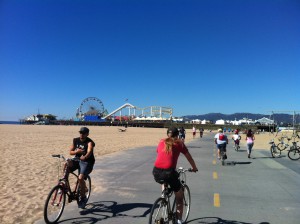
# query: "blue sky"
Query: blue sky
195,56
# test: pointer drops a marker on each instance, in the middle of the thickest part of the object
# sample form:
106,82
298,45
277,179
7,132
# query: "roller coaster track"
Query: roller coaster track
156,111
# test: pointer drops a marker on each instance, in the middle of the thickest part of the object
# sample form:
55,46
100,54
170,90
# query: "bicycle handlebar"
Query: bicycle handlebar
62,157
183,170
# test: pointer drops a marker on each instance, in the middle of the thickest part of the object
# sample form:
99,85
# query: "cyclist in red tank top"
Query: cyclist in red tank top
164,170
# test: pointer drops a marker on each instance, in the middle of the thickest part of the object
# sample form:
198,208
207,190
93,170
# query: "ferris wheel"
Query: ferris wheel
91,106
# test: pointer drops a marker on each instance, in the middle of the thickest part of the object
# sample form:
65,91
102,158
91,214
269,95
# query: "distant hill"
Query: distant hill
279,118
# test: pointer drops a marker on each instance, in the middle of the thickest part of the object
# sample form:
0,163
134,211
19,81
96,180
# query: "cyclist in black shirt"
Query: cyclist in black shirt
82,148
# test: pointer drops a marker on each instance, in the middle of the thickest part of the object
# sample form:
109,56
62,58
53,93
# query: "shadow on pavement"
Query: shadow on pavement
193,147
217,220
233,163
242,163
109,209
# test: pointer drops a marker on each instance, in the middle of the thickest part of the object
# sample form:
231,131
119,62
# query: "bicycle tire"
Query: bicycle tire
55,204
274,152
281,146
294,154
236,147
88,184
186,202
159,212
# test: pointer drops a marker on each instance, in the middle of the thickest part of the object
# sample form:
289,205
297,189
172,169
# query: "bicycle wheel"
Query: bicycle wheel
186,203
88,184
294,154
281,146
236,147
159,212
55,204
274,152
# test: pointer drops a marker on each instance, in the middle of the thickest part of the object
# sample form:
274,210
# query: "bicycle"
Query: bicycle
294,152
274,150
236,145
56,199
223,155
162,212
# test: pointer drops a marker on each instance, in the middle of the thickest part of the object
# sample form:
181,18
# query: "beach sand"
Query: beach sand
28,171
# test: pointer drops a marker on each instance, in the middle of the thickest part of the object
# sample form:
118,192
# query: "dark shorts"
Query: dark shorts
83,167
237,142
222,147
167,175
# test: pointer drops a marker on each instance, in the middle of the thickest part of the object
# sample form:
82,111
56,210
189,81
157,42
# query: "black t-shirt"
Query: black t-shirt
84,145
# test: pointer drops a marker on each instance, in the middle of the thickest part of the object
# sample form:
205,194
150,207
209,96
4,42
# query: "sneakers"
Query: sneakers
82,203
179,221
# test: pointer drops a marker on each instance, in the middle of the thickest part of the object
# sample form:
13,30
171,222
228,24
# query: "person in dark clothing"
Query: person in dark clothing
82,148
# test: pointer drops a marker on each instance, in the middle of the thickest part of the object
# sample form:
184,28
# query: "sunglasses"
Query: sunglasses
83,133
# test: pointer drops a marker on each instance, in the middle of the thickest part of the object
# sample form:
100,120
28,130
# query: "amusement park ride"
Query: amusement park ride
92,109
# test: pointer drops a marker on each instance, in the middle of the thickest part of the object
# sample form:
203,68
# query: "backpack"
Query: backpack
221,137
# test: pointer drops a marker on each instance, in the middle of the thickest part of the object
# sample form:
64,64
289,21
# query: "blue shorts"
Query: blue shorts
222,147
83,167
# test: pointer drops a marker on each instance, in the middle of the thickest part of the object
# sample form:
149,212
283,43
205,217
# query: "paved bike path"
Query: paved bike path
244,191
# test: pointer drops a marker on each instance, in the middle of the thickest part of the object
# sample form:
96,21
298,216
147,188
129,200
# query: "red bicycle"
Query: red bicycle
56,200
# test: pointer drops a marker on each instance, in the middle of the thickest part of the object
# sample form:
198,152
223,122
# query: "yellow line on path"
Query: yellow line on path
214,162
216,200
215,175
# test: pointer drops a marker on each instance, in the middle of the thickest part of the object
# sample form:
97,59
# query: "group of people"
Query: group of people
168,151
221,140
194,130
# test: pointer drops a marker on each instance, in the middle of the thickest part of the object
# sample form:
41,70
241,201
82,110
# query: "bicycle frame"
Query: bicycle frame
64,181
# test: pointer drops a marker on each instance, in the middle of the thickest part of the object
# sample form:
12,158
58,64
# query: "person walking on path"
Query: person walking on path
182,133
168,151
194,131
221,141
250,141
201,130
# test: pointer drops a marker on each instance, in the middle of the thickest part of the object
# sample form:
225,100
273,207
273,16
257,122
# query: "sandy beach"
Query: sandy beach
28,171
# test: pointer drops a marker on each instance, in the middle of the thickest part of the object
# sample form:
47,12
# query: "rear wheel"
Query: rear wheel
294,154
159,212
275,152
55,204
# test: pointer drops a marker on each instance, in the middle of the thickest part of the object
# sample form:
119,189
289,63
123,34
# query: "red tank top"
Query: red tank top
169,160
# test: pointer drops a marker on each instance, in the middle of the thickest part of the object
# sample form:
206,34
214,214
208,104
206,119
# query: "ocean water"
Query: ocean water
9,122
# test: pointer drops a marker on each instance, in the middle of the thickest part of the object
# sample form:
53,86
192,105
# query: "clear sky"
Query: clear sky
196,56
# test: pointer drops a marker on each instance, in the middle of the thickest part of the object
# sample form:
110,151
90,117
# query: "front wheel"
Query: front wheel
186,203
87,190
294,154
159,212
274,151
55,204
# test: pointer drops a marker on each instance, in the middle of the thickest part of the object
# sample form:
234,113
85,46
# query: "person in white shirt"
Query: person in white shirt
221,140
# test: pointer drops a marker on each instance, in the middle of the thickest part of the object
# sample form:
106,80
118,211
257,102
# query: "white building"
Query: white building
220,122
265,121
